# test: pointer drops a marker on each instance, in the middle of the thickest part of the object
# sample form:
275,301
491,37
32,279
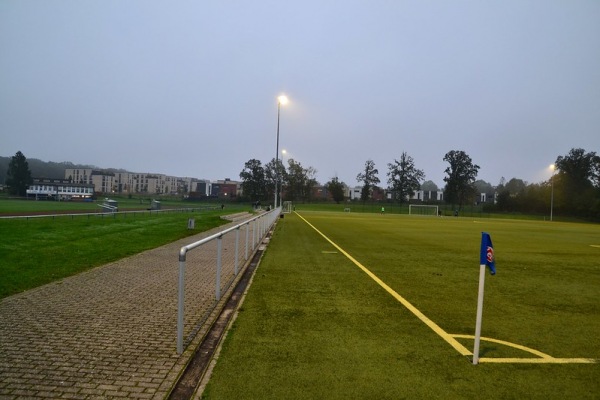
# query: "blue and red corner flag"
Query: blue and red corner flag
486,254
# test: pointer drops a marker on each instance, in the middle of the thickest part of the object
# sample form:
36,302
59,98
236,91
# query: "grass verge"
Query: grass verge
37,251
22,206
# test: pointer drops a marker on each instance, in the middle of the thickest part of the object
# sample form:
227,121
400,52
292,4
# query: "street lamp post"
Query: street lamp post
283,153
552,167
280,100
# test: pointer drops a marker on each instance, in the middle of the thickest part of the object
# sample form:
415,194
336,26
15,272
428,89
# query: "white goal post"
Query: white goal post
287,207
421,209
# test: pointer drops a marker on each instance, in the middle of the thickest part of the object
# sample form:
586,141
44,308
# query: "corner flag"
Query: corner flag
486,258
486,254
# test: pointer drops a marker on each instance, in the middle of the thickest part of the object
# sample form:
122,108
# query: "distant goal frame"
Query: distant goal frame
426,209
287,207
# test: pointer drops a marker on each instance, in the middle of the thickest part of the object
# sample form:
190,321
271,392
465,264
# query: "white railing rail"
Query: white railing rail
260,227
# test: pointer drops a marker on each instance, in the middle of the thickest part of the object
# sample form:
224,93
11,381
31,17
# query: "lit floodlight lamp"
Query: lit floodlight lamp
283,100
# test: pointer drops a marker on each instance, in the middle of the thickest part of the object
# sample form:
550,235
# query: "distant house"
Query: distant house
320,193
377,193
225,189
199,189
353,193
428,195
59,189
489,198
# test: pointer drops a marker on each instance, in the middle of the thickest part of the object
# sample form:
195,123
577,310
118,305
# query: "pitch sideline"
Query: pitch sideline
449,338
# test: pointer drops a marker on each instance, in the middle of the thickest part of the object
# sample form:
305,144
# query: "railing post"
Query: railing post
247,231
180,304
253,234
237,242
219,246
262,229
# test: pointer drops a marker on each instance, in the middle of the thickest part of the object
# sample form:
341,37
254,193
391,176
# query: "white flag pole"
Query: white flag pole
479,314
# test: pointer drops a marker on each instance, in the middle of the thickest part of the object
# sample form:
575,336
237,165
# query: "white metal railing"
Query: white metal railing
260,227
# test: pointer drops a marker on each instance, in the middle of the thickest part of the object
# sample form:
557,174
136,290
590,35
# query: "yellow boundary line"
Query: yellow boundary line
516,346
449,338
543,357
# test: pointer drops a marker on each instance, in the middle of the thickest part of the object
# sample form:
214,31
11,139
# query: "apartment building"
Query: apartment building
105,181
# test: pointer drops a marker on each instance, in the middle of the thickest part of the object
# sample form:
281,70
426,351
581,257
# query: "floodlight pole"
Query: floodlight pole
283,152
552,192
277,154
280,100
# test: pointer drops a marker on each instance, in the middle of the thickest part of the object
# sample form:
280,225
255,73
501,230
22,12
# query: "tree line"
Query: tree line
259,181
404,178
42,169
573,189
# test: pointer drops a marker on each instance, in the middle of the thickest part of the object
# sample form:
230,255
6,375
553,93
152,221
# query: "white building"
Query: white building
353,193
59,189
129,182
428,195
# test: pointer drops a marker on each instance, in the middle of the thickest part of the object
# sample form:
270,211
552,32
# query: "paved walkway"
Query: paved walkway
111,332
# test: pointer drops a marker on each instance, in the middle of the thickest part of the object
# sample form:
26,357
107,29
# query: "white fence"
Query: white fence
259,226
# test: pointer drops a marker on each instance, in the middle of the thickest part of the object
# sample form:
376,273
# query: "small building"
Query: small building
354,192
202,187
225,189
428,195
320,192
377,193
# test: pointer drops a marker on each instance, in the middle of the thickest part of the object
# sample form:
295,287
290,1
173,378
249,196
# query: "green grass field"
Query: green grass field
314,325
11,206
37,251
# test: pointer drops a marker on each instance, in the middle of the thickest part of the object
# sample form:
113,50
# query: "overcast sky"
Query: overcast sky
189,88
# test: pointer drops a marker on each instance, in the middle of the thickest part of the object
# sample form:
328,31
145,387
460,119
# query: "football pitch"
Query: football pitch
350,305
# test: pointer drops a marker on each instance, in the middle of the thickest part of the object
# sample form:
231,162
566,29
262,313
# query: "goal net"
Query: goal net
287,207
420,209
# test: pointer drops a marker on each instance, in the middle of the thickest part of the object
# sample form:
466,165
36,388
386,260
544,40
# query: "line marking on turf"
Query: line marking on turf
516,346
329,252
595,245
435,327
538,360
451,339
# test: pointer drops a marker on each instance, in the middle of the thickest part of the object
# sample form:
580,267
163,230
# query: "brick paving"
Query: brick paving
111,332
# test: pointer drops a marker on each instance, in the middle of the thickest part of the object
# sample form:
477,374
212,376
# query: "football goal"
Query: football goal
421,209
287,207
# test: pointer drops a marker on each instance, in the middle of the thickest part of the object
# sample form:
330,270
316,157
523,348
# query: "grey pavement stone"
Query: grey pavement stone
111,332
